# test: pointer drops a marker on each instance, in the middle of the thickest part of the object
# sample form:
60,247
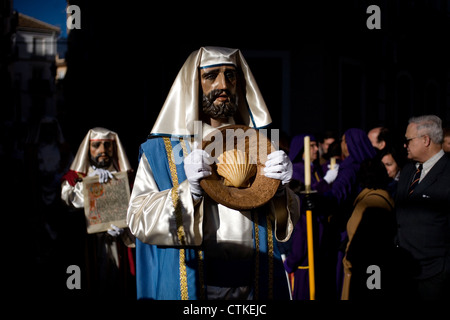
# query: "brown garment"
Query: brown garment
367,198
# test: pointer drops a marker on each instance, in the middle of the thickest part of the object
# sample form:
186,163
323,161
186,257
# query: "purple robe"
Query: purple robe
344,191
328,256
345,186
297,259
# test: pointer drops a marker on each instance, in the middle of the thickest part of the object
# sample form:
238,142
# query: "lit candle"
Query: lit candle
307,158
332,162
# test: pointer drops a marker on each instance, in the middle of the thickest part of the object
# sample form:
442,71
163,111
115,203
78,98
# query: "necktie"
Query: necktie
415,180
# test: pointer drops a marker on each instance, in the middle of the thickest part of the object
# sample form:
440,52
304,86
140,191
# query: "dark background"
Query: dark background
317,64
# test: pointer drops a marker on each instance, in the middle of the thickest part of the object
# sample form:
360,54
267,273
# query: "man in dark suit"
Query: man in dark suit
423,210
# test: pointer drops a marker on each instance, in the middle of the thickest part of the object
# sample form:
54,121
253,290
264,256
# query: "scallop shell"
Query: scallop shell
235,167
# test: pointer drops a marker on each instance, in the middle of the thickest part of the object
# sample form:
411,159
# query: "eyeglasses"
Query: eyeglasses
408,140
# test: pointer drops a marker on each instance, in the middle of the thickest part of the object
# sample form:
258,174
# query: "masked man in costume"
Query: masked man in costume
224,253
110,262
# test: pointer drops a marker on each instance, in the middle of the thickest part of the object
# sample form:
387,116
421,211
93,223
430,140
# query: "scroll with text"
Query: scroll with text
106,203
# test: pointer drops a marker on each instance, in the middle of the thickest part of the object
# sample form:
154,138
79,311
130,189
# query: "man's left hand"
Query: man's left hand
278,166
103,175
115,231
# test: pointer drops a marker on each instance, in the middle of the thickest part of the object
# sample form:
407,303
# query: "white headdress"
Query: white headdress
81,162
181,108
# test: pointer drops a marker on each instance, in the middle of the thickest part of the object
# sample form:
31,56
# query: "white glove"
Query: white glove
115,231
103,175
331,174
197,165
278,166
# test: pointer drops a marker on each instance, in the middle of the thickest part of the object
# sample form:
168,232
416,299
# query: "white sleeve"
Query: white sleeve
72,196
152,216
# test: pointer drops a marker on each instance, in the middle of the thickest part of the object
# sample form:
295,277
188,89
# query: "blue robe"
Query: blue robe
158,270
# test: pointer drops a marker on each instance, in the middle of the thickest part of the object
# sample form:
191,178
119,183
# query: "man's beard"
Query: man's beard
104,164
222,110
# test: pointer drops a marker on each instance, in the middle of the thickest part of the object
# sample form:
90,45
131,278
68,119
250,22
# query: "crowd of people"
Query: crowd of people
364,214
381,217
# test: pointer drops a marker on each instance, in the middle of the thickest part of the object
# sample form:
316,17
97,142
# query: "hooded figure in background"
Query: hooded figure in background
47,156
296,262
188,246
50,158
109,258
356,148
296,154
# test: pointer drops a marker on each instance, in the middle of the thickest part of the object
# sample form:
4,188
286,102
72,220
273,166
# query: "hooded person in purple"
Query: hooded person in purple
356,147
339,197
296,154
296,262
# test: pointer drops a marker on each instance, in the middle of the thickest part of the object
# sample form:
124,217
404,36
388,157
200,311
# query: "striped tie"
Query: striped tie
416,179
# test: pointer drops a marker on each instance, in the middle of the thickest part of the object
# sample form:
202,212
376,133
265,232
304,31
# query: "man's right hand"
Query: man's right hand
197,165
